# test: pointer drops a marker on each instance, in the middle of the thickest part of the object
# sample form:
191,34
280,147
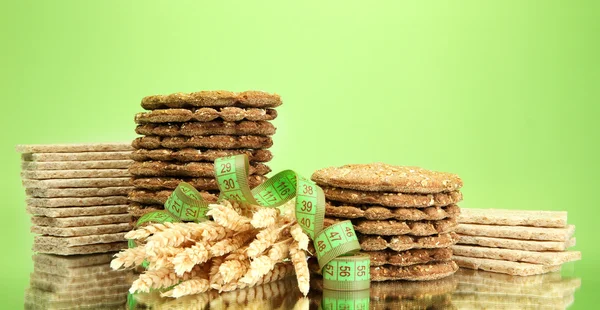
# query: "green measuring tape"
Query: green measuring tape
337,300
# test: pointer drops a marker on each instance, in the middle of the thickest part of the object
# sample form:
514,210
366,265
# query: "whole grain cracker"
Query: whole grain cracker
517,232
515,244
192,154
82,249
398,200
76,165
81,231
421,272
77,183
160,183
388,178
77,192
410,257
219,98
191,169
72,148
80,221
514,217
229,114
137,210
79,240
259,128
383,213
81,156
543,258
75,202
74,174
406,242
71,261
395,228
502,266
215,142
160,197
77,211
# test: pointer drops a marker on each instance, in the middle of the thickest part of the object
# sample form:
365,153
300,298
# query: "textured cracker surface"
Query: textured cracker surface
79,240
543,258
76,165
81,231
397,200
191,169
82,156
406,242
410,257
382,213
517,232
77,192
159,183
395,228
83,249
72,148
160,197
214,142
514,217
207,155
68,183
77,211
229,114
72,261
421,272
388,178
73,174
138,210
407,289
76,202
79,221
515,244
259,128
501,266
214,98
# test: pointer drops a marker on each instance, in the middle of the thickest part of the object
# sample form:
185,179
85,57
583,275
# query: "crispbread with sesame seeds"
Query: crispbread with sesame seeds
514,217
260,128
382,177
216,98
207,155
371,212
190,169
160,183
421,272
72,148
517,232
214,142
543,258
502,266
515,244
394,200
395,228
77,192
160,197
205,115
406,242
409,257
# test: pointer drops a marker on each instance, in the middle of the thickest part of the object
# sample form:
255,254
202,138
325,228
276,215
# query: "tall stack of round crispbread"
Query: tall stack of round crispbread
77,194
404,216
184,133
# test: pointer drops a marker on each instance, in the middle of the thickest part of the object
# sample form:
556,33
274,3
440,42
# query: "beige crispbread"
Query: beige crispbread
77,211
190,154
82,249
160,183
191,169
228,114
388,178
74,174
517,232
72,148
77,192
406,242
81,231
72,261
216,98
82,156
76,165
77,183
543,258
76,202
383,213
398,200
259,128
214,142
80,221
421,272
160,197
410,257
395,228
515,244
79,240
501,266
514,217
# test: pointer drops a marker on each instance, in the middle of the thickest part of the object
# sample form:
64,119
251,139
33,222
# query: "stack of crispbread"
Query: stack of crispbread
487,290
404,216
184,133
76,282
514,242
77,194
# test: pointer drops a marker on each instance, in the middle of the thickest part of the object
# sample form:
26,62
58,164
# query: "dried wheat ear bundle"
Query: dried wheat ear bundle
241,246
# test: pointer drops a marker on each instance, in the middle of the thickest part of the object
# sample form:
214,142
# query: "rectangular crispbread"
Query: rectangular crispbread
78,211
517,232
74,148
500,266
81,231
82,156
81,221
74,174
78,192
515,244
83,249
76,202
76,165
543,258
72,261
79,240
513,217
77,183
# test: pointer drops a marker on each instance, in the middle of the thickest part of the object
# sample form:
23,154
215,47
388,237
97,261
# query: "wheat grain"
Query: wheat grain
300,237
300,265
264,217
264,239
189,287
229,245
224,215
232,270
280,271
144,232
128,258
302,304
186,260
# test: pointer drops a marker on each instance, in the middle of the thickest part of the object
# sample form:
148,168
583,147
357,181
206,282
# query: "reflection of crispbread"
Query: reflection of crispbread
81,231
501,266
517,232
382,213
82,156
405,242
77,211
214,142
38,299
208,155
544,258
79,240
154,183
160,197
76,165
216,98
493,278
191,169
80,220
410,290
75,202
388,178
394,228
230,114
260,128
422,272
73,174
77,192
391,199
514,217
515,244
410,257
540,285
69,183
54,282
72,148
83,249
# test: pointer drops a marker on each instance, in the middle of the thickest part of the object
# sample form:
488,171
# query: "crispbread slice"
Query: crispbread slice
73,148
77,183
76,165
81,231
209,183
138,210
80,221
405,242
410,257
212,98
421,272
215,141
395,200
82,249
77,192
77,211
76,202
259,128
383,213
544,258
513,217
191,169
515,244
517,232
51,281
72,261
395,228
73,174
160,197
83,156
194,154
500,266
79,240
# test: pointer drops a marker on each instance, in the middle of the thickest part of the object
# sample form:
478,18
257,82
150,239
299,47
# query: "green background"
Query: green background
504,93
